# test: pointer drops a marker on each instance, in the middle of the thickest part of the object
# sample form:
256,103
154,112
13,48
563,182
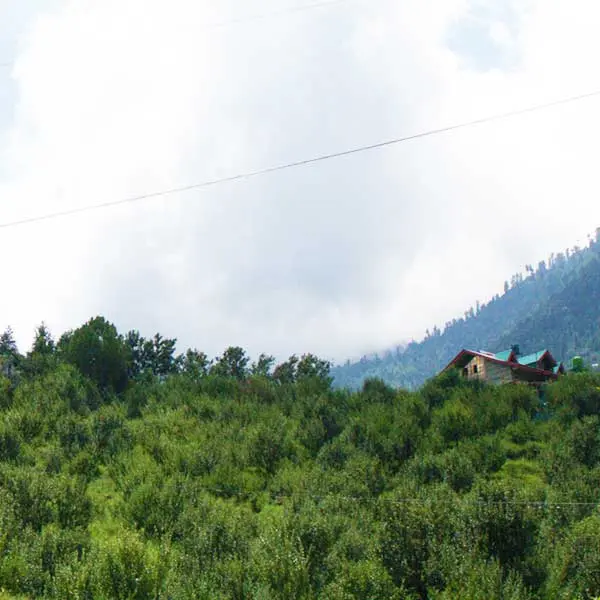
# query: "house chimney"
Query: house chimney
515,348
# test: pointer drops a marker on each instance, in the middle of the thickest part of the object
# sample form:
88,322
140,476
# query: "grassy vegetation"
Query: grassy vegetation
227,484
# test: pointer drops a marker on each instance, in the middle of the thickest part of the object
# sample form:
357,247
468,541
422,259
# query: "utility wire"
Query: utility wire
305,494
278,13
256,17
291,165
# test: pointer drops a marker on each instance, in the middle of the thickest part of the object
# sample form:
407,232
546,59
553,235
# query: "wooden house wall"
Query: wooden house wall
480,372
530,377
498,374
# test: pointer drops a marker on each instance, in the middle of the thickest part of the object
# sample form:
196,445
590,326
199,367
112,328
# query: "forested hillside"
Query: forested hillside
569,322
127,472
556,305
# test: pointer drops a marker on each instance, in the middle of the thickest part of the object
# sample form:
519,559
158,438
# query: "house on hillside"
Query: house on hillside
507,366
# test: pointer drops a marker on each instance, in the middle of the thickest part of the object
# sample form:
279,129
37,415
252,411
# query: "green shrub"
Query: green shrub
6,394
10,442
268,442
214,530
453,467
577,395
364,580
575,571
455,420
479,579
438,390
126,569
110,432
279,563
503,521
73,433
376,390
40,499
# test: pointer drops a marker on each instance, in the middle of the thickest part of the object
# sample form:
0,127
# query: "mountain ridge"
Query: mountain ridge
538,309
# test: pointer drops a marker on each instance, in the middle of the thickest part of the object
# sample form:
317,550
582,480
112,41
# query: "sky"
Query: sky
105,100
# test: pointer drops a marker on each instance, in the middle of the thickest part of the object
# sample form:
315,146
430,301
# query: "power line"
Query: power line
256,17
299,163
390,500
278,13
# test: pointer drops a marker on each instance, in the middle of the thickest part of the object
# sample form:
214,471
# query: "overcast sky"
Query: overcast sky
104,100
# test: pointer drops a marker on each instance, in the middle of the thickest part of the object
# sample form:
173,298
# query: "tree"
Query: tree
138,359
164,361
8,346
195,364
43,343
9,354
310,366
42,354
99,352
578,365
155,356
233,363
542,267
307,367
286,371
262,367
576,569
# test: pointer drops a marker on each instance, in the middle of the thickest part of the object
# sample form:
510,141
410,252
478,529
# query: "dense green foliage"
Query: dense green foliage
127,472
555,306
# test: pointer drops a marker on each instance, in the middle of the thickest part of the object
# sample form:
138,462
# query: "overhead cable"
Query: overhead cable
295,164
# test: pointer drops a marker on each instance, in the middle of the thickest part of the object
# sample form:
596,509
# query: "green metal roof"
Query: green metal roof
503,355
531,359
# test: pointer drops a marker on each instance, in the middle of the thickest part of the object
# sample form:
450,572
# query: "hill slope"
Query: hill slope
555,306
135,478
569,322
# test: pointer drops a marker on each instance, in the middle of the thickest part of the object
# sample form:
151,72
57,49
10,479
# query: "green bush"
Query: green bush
483,580
10,442
110,432
247,484
126,569
386,432
455,420
364,580
575,571
268,442
6,394
503,521
578,394
279,563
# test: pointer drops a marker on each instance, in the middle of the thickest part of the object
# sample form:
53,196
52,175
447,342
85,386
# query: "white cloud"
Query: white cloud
124,97
500,34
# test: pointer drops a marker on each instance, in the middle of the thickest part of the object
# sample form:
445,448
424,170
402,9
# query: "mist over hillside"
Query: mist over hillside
554,304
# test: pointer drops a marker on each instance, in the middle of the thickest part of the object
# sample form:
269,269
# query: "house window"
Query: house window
465,372
475,369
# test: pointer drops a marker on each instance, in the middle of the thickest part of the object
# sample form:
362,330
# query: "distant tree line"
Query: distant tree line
554,305
114,361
